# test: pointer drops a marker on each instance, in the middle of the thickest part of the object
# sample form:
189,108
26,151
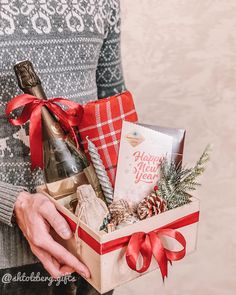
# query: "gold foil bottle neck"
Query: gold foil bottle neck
28,80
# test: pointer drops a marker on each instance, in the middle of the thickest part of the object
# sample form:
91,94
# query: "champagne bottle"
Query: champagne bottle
63,163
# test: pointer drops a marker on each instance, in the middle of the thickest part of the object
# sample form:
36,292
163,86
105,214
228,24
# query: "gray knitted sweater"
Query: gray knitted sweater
75,48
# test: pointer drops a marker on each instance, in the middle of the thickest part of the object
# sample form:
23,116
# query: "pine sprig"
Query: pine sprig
176,182
197,170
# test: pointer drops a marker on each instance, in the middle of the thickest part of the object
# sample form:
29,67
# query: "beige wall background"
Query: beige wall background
179,59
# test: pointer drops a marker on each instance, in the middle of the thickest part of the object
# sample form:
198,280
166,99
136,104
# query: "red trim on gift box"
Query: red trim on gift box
123,241
94,244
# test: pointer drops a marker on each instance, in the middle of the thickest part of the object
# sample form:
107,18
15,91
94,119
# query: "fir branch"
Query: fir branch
198,169
176,182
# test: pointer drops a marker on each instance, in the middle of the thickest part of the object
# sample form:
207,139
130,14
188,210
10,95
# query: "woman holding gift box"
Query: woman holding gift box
75,48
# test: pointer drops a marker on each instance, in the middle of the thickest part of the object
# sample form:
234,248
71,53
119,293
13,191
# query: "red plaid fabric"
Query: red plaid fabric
102,122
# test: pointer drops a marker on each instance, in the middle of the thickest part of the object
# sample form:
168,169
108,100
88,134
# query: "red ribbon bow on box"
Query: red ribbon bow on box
150,244
32,107
146,244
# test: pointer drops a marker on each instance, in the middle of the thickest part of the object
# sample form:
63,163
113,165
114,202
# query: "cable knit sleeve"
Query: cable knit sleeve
8,195
109,75
15,173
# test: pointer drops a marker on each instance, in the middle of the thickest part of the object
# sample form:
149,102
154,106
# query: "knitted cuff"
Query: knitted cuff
8,196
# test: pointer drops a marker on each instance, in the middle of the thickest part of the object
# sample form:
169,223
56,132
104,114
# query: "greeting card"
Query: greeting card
141,152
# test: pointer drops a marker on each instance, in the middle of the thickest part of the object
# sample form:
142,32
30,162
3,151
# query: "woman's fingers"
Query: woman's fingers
35,214
49,212
51,265
61,254
47,243
66,269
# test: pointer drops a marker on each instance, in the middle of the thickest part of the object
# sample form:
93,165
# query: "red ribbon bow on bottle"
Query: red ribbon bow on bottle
150,244
32,107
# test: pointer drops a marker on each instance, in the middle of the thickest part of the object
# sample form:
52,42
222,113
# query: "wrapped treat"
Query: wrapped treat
90,209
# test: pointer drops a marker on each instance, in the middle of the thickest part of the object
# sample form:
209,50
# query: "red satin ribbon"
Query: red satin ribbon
146,244
150,244
32,107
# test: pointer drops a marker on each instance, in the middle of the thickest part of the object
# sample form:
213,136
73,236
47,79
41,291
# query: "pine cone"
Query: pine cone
119,211
151,205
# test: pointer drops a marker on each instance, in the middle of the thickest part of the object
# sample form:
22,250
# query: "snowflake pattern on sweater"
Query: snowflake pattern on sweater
75,48
45,17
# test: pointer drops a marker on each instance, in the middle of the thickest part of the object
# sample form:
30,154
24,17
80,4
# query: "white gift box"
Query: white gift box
105,254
